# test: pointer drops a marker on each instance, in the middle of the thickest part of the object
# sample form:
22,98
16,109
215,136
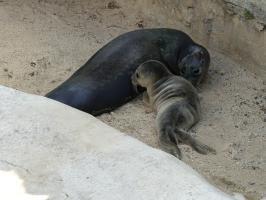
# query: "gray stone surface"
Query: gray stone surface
236,28
61,153
255,7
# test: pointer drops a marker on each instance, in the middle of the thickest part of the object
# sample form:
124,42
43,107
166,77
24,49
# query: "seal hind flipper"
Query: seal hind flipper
168,142
187,139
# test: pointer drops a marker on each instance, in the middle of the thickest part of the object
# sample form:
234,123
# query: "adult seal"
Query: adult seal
177,105
103,83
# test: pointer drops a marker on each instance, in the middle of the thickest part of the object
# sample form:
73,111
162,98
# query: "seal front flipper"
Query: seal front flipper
146,100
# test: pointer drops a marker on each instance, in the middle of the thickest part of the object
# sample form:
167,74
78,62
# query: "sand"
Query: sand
43,42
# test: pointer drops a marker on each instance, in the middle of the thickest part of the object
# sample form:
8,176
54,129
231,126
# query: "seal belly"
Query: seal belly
80,96
95,96
113,95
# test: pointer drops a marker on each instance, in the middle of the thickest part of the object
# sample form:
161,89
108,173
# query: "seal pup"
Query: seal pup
103,83
177,105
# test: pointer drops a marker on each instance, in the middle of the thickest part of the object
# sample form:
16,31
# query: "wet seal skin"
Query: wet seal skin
177,105
103,83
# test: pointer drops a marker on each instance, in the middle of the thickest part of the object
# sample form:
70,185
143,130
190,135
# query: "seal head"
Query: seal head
194,63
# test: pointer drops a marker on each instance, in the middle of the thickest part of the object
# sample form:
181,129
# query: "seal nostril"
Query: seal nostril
196,71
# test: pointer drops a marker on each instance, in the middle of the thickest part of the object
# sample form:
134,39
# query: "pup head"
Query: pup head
148,73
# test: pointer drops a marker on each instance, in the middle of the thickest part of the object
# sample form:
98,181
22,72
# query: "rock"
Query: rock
113,5
248,15
259,26
33,64
250,9
140,24
59,152
12,182
239,196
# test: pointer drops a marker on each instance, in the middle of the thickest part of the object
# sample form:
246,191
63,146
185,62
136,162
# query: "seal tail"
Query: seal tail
187,139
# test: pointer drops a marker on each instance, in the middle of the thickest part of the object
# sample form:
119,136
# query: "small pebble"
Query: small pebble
140,24
113,5
33,64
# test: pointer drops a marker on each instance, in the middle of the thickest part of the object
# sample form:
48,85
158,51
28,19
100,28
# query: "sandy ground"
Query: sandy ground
43,42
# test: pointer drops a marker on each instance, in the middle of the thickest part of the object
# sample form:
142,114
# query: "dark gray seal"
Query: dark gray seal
177,105
104,82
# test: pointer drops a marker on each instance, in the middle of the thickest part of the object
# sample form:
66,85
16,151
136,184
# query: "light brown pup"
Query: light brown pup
177,105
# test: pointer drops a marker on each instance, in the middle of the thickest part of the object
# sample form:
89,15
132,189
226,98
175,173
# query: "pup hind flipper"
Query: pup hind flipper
198,146
168,143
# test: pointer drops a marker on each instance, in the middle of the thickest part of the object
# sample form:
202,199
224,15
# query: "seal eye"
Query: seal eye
183,70
137,75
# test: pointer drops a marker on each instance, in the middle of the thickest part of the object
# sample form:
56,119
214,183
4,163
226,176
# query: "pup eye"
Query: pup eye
137,75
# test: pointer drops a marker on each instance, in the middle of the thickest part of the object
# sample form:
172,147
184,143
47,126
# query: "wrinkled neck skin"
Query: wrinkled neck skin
170,54
162,93
173,56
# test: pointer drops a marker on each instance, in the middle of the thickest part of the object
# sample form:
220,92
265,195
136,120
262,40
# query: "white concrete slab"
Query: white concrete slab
61,153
